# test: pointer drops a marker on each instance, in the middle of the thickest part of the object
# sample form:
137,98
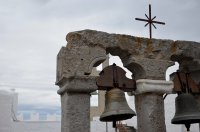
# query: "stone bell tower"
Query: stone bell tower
147,59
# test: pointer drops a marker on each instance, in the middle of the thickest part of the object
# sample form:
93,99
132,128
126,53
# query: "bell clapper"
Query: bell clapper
187,126
114,124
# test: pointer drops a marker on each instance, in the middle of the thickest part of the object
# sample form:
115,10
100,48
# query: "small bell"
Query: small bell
116,106
186,110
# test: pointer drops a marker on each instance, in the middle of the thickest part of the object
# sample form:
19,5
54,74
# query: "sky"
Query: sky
33,31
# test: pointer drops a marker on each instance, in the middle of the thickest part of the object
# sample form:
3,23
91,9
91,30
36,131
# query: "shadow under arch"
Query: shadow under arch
137,70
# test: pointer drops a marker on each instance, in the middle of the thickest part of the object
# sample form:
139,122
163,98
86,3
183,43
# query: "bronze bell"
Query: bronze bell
116,107
186,110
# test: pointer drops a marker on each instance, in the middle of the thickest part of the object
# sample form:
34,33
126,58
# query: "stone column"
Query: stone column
75,103
74,66
149,103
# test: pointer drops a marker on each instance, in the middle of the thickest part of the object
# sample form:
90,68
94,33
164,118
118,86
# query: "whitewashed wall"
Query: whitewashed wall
6,99
36,126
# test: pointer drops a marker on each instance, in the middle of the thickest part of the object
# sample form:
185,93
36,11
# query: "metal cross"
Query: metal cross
150,21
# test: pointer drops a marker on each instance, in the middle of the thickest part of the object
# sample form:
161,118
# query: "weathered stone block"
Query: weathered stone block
78,61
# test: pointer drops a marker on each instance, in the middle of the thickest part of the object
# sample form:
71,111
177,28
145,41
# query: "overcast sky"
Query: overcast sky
33,31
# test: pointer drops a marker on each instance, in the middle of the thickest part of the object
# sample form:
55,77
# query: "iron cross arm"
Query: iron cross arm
157,22
140,19
145,20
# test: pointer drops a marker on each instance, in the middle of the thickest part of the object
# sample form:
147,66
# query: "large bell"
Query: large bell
186,110
116,107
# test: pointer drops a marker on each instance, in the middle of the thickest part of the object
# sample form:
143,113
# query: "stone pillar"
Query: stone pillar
150,105
74,66
75,103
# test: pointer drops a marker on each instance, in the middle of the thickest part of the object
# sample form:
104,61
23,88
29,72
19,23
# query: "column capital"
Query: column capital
153,86
78,84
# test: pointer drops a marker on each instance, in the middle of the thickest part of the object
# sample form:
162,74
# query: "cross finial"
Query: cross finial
150,21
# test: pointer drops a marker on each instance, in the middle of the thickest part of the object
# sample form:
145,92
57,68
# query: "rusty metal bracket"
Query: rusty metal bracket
114,77
183,83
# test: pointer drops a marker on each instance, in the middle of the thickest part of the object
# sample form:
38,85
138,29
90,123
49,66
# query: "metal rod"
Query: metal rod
153,18
106,126
150,22
115,76
140,19
150,31
187,88
179,78
165,96
158,22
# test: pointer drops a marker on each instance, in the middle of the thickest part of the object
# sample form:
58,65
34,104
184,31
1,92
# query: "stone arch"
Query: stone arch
136,50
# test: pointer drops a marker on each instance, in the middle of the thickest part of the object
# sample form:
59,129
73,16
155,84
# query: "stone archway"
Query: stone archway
146,59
